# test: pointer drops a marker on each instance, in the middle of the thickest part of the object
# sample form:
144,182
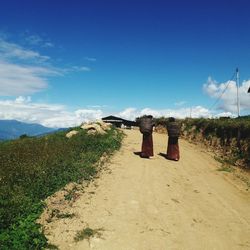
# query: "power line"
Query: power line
238,87
217,100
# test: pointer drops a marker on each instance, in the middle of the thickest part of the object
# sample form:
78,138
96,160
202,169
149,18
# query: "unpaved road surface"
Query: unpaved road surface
156,204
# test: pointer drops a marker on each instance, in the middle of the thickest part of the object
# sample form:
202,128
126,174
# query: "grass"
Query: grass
87,233
51,247
219,159
31,169
233,135
70,195
226,168
225,165
65,216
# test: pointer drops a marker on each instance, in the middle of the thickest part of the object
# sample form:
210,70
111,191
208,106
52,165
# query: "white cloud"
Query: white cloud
15,52
24,71
91,59
36,40
79,68
23,79
228,99
129,113
48,45
57,116
73,69
50,115
23,99
195,112
89,114
97,106
180,103
225,114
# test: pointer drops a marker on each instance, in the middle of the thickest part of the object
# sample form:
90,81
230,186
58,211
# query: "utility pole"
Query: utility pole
238,86
191,112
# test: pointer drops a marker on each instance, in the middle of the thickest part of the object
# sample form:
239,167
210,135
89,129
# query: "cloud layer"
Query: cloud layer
228,99
38,41
52,115
198,111
23,79
24,71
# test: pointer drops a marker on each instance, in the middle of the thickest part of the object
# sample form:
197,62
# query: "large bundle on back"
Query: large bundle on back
173,129
146,125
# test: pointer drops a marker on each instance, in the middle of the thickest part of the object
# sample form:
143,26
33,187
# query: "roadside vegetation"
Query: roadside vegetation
229,137
87,233
31,169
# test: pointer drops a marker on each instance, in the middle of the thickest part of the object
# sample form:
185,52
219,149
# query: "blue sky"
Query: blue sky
64,62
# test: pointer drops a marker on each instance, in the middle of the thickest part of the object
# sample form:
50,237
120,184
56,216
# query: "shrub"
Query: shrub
227,130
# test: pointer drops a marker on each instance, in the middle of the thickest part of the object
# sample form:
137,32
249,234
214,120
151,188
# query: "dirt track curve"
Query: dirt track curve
157,204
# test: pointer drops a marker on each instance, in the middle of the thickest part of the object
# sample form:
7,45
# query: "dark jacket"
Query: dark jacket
173,129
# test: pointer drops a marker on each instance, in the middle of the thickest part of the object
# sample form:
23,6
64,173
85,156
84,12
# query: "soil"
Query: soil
149,204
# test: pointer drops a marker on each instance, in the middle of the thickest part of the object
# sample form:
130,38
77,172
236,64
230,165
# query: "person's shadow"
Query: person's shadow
163,155
137,153
166,157
140,155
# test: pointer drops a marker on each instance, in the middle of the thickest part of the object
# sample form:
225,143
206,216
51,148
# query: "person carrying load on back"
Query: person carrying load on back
146,128
173,129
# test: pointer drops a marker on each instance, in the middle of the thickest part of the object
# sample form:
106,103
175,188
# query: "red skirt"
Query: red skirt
147,146
173,152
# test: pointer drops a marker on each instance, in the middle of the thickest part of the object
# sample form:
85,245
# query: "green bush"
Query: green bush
226,129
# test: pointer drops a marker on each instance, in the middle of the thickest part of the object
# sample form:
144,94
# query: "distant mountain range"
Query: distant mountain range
12,129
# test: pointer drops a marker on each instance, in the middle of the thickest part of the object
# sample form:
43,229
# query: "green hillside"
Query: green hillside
31,169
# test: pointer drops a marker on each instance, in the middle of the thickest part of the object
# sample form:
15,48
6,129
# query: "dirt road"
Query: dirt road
141,204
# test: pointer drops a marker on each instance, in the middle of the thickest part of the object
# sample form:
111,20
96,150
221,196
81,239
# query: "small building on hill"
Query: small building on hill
119,122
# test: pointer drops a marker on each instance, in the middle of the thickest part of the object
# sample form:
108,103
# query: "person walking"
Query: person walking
146,128
173,128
